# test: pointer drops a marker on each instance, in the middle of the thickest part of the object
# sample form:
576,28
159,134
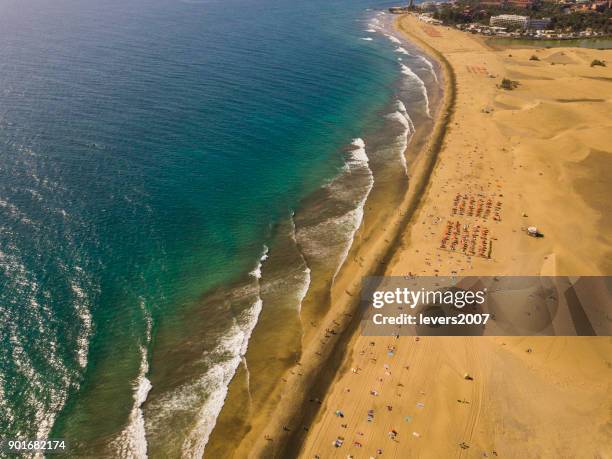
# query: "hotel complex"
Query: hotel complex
518,22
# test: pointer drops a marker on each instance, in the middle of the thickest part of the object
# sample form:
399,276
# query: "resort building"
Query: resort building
515,21
509,21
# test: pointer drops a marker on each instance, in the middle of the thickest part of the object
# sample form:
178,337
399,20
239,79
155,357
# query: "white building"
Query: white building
509,20
516,21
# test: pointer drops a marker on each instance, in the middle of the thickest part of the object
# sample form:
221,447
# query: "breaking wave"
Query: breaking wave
401,116
303,290
414,77
132,442
216,381
203,396
426,62
429,65
393,39
358,160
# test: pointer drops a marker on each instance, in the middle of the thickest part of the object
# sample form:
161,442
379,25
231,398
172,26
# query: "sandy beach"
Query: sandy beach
277,427
542,155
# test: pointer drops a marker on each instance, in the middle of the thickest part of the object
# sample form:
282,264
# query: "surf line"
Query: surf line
358,158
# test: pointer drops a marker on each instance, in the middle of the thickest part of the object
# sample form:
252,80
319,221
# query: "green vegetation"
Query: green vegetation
598,62
579,21
508,84
562,19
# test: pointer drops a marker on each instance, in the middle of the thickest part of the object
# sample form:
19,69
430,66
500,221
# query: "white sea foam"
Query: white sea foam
401,116
414,77
222,363
352,221
303,290
256,273
403,138
426,62
367,38
393,39
359,153
353,218
397,116
301,293
429,65
402,109
330,239
206,394
216,381
132,442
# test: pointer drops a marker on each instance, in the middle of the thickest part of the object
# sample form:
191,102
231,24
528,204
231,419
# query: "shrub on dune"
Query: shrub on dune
508,84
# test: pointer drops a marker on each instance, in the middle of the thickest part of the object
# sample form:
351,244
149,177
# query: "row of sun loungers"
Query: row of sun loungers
476,206
473,241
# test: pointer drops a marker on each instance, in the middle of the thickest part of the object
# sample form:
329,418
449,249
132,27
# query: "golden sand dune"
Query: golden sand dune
544,150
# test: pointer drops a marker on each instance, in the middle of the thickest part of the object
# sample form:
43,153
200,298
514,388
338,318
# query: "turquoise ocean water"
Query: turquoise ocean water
148,151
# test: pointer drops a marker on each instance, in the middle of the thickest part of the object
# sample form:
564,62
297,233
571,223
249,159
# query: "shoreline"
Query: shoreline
539,164
317,370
